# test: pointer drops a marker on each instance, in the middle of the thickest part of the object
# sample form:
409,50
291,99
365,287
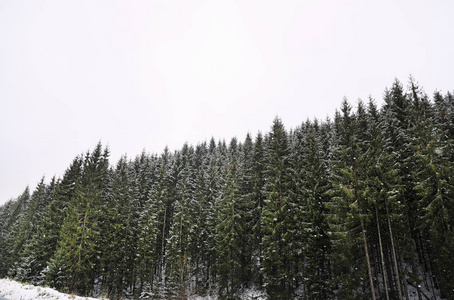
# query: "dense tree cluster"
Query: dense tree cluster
360,207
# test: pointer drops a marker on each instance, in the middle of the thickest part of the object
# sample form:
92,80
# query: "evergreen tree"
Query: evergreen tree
382,188
213,184
199,229
32,261
26,230
179,261
279,223
258,198
76,263
230,228
350,241
155,224
143,175
13,237
149,257
247,203
314,185
5,214
433,151
53,217
120,244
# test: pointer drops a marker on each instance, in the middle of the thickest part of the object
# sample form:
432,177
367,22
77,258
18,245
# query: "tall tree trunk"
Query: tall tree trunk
369,270
396,267
363,230
385,277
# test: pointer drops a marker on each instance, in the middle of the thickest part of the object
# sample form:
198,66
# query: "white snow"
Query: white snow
202,298
13,290
250,294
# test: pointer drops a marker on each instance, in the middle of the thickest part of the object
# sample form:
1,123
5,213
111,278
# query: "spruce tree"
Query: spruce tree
351,211
279,224
179,261
76,264
26,230
149,261
314,185
433,151
13,236
200,230
258,179
34,255
54,216
118,258
230,228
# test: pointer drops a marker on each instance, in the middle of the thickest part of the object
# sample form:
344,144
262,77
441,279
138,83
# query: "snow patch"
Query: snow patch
13,290
249,294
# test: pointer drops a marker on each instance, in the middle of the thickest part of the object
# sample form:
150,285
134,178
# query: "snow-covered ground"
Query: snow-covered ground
13,290
247,295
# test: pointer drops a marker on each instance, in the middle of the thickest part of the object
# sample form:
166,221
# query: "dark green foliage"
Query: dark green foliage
360,207
313,185
350,209
120,234
230,229
281,237
21,231
77,260
13,215
35,252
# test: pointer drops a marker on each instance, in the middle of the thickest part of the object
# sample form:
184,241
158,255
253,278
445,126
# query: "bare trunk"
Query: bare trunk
396,267
369,270
385,277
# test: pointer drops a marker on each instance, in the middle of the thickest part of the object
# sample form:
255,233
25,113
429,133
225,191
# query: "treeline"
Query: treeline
358,207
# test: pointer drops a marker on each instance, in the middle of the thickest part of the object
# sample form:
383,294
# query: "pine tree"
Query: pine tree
247,203
13,235
53,217
143,175
432,156
258,180
351,209
33,258
213,184
119,256
199,229
149,258
419,135
76,263
10,213
279,225
314,185
5,214
179,262
230,228
154,224
26,230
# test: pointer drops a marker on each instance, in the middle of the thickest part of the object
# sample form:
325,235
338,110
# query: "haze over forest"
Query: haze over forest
161,73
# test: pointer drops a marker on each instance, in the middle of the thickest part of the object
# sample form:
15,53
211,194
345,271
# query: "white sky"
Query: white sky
145,74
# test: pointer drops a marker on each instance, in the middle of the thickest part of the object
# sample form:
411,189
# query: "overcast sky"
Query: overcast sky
145,74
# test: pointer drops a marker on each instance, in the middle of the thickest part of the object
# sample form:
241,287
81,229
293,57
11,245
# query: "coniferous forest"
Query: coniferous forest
358,206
